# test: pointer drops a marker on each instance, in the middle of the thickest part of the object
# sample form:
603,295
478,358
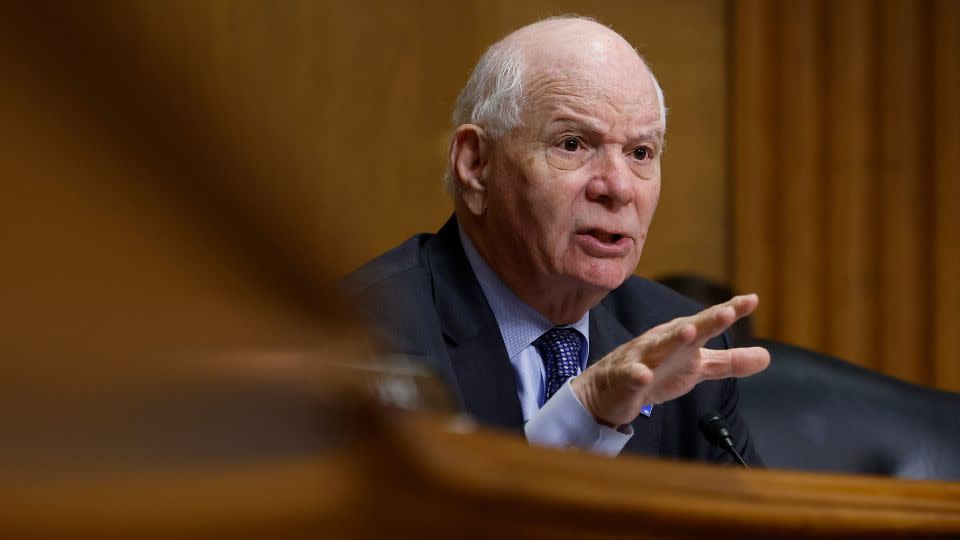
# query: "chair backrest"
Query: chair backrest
810,411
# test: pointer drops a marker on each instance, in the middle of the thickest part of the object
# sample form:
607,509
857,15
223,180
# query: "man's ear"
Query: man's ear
469,155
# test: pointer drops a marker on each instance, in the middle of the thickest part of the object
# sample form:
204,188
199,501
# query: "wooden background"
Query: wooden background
812,156
368,86
846,173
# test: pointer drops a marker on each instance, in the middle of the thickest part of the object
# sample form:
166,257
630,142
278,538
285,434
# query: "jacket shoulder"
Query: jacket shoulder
394,296
388,267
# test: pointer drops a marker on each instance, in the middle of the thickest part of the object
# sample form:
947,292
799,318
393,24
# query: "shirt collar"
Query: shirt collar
519,323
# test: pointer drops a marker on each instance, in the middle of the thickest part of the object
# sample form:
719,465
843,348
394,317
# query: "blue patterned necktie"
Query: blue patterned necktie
560,349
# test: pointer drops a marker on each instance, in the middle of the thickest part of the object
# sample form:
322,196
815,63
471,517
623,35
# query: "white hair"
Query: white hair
493,96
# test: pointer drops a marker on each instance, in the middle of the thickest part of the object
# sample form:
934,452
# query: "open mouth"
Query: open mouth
605,237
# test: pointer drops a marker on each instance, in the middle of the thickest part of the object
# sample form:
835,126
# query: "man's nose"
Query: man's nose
611,181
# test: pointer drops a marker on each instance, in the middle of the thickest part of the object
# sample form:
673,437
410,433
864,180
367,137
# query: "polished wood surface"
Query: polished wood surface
418,475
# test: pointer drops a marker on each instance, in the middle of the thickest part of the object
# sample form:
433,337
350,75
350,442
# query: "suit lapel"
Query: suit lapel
476,351
475,347
606,334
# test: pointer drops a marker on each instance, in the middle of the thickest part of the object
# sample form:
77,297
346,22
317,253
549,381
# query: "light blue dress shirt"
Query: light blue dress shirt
562,421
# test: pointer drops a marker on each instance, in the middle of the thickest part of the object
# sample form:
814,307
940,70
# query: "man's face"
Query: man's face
572,192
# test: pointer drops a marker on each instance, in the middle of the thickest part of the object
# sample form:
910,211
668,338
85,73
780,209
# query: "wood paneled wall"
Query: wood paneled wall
188,174
366,89
831,190
363,92
847,208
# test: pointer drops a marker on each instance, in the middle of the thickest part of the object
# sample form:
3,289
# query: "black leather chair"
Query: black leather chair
810,411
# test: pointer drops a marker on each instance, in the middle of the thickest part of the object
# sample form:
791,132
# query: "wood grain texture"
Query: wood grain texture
848,144
904,183
753,166
946,201
799,253
860,230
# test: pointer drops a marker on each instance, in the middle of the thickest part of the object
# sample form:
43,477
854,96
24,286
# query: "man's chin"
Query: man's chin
603,276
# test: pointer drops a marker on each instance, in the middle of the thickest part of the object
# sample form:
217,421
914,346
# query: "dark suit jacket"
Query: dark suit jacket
423,299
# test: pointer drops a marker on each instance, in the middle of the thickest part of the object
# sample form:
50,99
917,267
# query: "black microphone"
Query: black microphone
715,428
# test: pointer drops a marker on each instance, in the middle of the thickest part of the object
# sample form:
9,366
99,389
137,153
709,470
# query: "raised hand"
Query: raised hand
666,362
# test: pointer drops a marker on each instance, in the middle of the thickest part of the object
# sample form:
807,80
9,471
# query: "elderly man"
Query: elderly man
525,299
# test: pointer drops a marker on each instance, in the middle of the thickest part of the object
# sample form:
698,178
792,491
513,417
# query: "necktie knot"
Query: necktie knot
560,349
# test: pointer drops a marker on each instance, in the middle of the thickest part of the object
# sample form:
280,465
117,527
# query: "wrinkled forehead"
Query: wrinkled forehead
622,89
605,99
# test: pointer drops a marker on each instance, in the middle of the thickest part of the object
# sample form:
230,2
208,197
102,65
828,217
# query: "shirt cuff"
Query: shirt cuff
563,422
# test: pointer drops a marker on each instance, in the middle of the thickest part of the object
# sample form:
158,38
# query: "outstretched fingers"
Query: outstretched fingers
668,338
712,321
738,362
744,304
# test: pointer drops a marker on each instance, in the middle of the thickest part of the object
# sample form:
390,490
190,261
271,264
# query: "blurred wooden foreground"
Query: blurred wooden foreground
403,475
172,359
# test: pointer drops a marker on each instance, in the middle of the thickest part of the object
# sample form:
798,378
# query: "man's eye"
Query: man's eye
641,153
571,144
